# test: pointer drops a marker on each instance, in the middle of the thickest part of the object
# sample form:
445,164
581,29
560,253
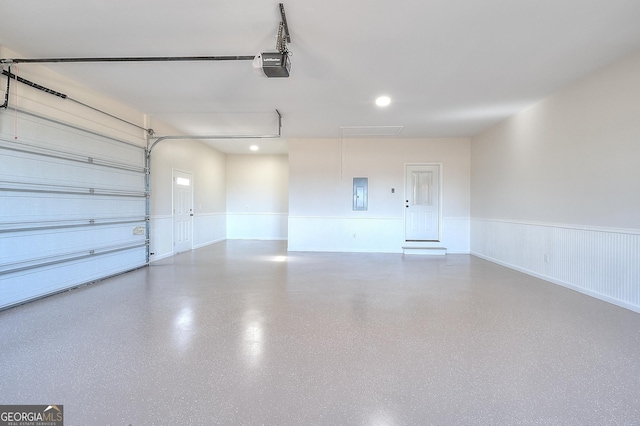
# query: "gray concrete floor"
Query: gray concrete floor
242,332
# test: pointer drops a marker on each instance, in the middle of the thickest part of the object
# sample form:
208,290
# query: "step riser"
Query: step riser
425,251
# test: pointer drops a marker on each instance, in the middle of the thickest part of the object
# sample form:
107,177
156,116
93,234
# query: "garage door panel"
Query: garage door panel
73,207
52,137
59,277
31,247
21,167
33,207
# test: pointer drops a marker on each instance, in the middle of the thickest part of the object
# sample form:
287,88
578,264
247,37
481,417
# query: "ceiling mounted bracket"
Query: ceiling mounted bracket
284,23
283,32
5,105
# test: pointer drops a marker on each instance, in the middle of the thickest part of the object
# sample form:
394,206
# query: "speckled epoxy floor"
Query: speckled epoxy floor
242,332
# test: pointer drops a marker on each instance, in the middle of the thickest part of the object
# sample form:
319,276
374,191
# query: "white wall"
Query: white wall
209,192
320,192
555,189
257,196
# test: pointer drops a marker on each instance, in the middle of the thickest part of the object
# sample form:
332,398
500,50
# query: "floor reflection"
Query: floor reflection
252,338
183,329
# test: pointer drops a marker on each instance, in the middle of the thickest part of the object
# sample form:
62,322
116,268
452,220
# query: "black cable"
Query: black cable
29,83
34,85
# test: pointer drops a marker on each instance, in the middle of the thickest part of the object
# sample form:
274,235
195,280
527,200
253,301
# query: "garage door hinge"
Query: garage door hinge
92,252
90,159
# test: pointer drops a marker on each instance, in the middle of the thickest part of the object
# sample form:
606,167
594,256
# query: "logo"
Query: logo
31,415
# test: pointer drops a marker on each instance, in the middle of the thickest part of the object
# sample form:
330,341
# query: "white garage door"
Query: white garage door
72,207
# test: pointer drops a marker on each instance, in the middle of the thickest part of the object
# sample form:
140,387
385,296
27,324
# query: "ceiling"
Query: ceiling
452,68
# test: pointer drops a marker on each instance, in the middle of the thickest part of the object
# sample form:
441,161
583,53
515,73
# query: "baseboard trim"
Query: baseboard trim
565,284
208,243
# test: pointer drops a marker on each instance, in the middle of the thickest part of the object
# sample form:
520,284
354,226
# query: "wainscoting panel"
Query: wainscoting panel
257,226
209,228
160,237
345,234
601,262
366,234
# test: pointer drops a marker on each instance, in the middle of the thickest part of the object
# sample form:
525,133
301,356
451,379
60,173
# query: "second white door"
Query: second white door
422,202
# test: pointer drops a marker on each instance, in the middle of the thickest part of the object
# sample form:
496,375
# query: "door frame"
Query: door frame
173,209
440,186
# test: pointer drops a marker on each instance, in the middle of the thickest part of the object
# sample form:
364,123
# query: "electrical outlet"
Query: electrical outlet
546,258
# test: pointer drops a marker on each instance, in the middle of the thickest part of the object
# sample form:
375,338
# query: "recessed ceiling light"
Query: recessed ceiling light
254,147
383,101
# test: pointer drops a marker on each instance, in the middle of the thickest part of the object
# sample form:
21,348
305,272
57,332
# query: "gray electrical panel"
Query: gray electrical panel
360,193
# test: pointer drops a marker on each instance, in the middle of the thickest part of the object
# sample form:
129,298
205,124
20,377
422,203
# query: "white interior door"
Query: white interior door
422,202
182,211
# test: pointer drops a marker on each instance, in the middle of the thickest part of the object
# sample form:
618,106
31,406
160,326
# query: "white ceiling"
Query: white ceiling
452,68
